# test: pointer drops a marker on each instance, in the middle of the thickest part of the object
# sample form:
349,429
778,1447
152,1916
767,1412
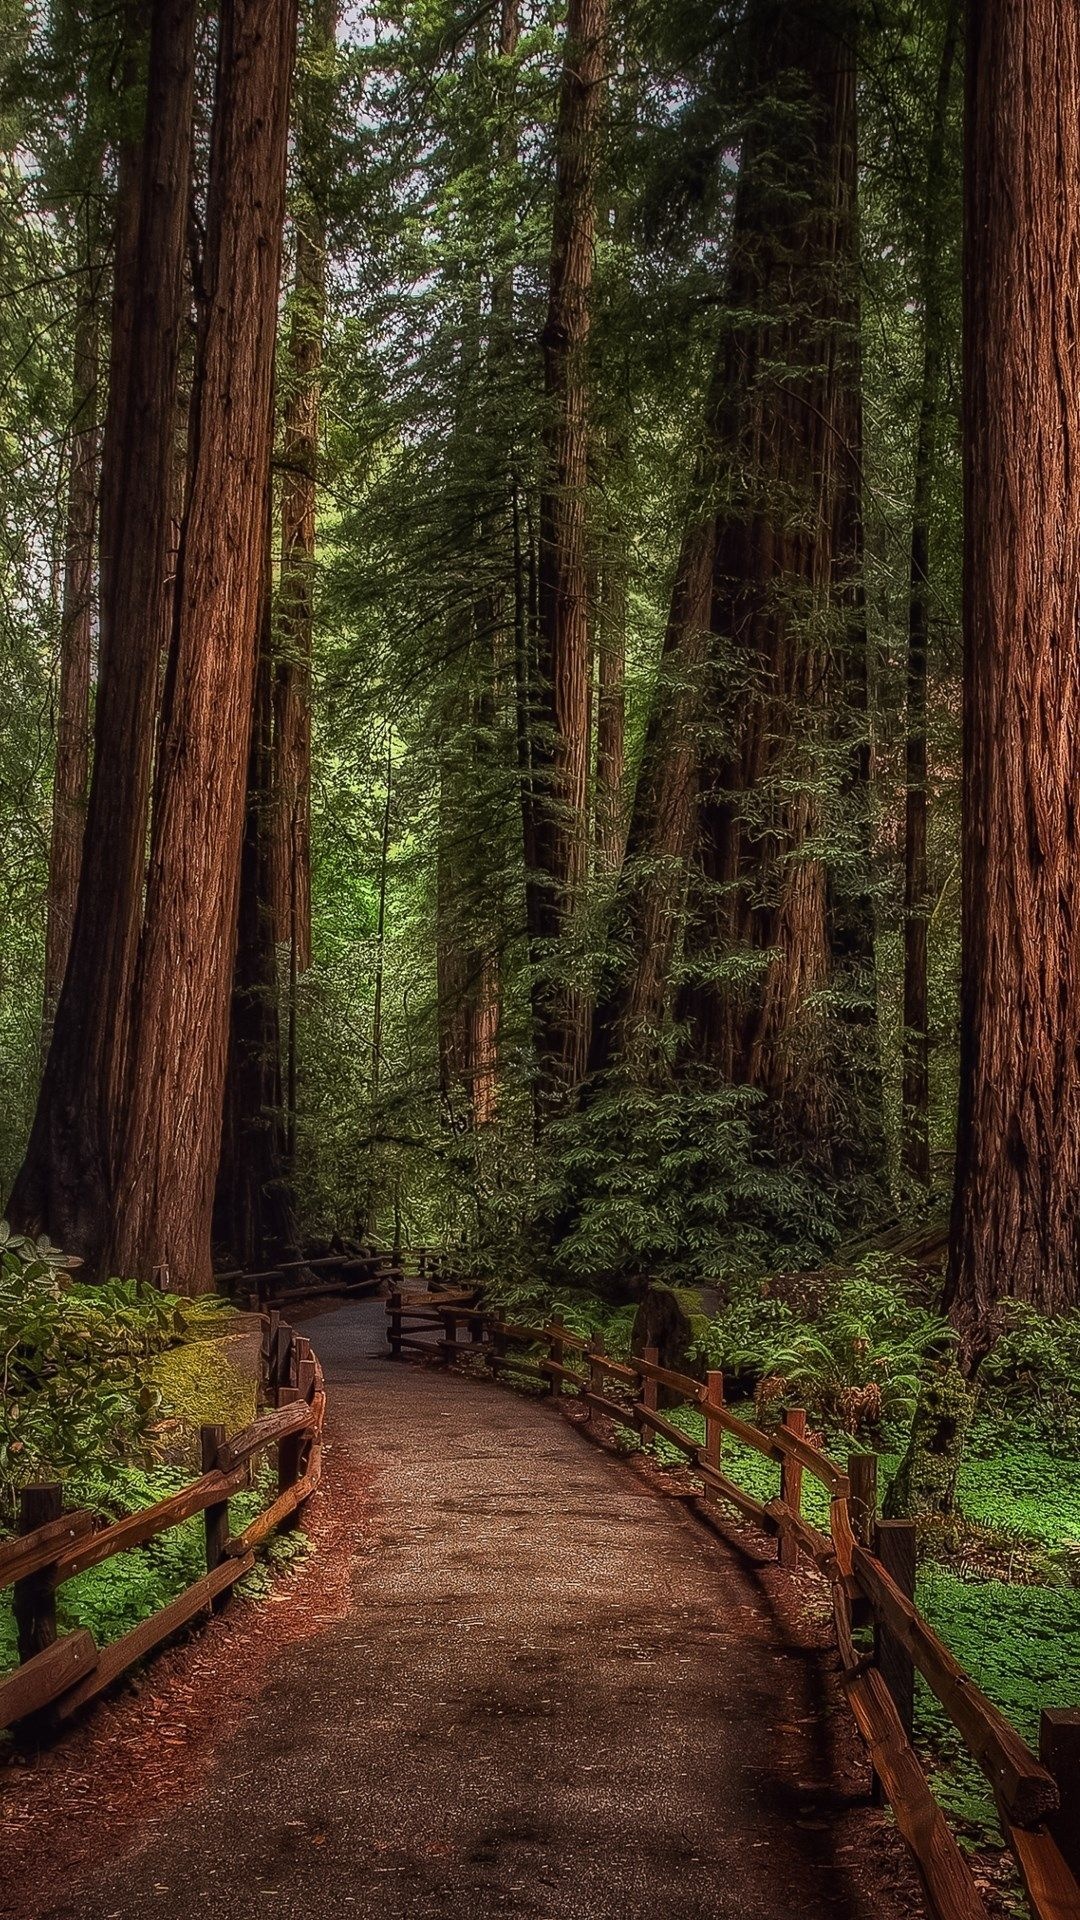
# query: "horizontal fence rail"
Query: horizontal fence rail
59,1674
347,1274
869,1567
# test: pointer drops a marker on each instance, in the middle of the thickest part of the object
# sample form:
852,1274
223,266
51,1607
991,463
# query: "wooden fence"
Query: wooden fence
869,1567
348,1274
59,1674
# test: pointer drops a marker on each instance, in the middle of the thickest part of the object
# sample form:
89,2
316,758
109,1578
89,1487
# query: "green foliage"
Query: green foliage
1031,1374
73,1361
534,1304
664,1183
855,1366
1021,1645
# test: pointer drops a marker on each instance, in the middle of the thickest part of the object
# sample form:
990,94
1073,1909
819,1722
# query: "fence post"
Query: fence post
271,1382
33,1599
557,1353
1059,1751
712,1451
894,1544
290,1452
791,1475
862,1479
393,1327
596,1351
285,1361
449,1339
650,1398
215,1518
862,1473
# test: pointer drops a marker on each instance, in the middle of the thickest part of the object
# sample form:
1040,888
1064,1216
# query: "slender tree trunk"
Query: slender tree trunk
916,1064
254,1219
649,903
165,1185
611,701
72,767
65,1184
292,677
380,936
561,737
783,589
1015,1217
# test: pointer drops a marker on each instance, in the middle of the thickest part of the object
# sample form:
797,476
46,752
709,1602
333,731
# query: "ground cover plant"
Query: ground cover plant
87,1402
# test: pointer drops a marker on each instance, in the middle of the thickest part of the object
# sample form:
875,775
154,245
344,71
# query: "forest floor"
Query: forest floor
516,1679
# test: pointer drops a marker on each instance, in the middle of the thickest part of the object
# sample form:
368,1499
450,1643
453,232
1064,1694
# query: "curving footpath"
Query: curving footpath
554,1695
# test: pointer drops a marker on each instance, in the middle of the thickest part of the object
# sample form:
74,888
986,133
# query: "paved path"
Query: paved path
555,1695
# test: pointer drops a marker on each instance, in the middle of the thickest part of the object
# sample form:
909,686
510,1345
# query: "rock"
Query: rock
673,1319
925,1481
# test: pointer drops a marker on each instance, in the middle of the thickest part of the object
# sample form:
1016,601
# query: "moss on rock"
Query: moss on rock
926,1479
204,1382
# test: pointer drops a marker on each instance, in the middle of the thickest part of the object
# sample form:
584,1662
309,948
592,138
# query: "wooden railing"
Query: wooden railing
869,1567
338,1273
59,1675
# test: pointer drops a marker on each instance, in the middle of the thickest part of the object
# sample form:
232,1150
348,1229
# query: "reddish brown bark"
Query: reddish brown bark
915,1136
72,765
291,849
647,920
786,562
560,743
254,1219
65,1184
1015,1218
611,703
165,1183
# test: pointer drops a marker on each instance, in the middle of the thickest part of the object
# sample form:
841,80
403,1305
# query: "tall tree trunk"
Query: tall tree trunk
65,1184
254,1219
1015,1217
649,900
72,767
783,587
292,677
165,1185
915,1132
561,736
611,699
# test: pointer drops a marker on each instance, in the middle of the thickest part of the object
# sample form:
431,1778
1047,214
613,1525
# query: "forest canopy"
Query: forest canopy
486,636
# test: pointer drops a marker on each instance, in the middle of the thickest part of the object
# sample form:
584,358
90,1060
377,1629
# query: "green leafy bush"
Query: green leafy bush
586,1314
72,1368
855,1367
667,1184
1031,1374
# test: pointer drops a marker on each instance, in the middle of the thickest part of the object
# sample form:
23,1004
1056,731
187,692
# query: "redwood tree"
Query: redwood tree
560,743
785,574
72,764
1015,1220
64,1186
165,1183
915,1137
291,828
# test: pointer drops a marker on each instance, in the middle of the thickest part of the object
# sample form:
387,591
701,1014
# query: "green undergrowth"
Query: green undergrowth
105,1390
1021,1645
114,1597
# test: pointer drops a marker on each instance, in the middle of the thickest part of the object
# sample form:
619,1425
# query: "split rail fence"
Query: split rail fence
59,1673
869,1566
